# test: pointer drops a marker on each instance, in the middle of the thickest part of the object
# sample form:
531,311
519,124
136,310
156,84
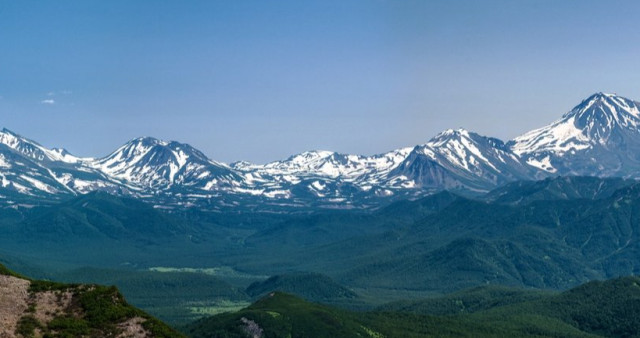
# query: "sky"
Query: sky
262,80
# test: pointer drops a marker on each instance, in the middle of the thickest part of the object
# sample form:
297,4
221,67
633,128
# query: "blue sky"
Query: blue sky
261,80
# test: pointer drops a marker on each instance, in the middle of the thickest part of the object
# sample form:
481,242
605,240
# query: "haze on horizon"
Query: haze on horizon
259,81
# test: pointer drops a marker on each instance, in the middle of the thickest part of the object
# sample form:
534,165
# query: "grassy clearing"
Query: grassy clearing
217,307
219,271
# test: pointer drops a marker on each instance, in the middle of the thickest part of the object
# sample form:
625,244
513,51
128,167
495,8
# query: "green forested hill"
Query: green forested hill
466,301
556,188
610,309
544,244
100,215
310,286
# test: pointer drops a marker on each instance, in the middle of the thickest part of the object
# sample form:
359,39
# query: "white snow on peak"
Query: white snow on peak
309,156
330,164
10,139
34,150
586,125
152,163
317,167
62,155
449,134
560,137
459,148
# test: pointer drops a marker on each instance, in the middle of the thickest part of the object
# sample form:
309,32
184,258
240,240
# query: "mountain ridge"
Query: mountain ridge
598,137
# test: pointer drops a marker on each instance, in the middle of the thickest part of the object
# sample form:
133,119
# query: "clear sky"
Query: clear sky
262,80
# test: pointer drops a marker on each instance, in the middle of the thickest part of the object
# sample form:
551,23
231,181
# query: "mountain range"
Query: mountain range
599,137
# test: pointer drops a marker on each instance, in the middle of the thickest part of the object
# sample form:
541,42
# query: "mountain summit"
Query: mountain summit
600,137
157,164
459,159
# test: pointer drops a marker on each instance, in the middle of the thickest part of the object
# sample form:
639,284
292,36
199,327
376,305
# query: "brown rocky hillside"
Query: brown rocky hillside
31,308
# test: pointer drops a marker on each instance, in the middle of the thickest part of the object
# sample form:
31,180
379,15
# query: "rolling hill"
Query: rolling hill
595,309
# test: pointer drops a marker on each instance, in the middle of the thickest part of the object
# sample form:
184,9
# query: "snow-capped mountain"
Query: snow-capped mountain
459,159
333,165
324,174
154,165
599,137
29,169
454,159
33,150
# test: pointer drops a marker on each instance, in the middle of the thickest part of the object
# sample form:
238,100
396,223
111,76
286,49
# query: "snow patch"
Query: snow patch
544,164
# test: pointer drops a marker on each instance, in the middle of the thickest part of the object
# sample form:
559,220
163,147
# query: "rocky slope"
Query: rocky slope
35,308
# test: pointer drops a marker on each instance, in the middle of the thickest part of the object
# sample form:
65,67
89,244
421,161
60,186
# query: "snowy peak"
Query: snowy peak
459,147
604,112
33,170
458,159
600,100
450,134
324,175
317,163
600,119
307,159
466,150
151,162
306,162
22,145
33,150
600,136
462,138
149,151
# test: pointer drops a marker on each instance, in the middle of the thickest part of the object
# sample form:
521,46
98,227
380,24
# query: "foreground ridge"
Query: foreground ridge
31,307
594,309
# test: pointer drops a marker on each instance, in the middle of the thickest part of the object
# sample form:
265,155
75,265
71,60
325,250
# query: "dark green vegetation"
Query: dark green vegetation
552,234
543,244
27,326
562,188
610,309
169,296
466,301
313,287
279,315
181,297
100,215
89,310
